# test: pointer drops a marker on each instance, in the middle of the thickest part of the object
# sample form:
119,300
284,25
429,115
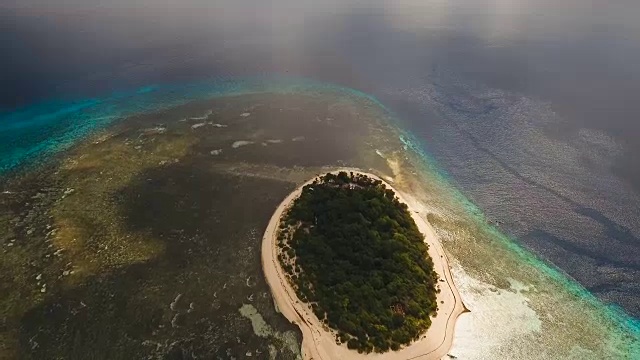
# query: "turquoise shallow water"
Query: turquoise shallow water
31,134
614,311
625,329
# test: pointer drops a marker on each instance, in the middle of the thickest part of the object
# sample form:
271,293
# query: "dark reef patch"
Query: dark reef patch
177,303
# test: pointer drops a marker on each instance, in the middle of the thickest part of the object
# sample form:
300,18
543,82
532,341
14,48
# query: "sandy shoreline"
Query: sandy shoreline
318,342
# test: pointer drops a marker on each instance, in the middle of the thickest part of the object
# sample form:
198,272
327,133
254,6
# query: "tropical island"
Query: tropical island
346,260
353,252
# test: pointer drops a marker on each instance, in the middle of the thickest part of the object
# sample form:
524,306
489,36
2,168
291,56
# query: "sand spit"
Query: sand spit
318,341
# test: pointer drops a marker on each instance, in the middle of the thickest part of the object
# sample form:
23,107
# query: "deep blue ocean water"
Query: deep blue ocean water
529,107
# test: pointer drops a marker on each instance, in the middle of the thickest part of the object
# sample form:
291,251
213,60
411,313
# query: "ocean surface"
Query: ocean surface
528,108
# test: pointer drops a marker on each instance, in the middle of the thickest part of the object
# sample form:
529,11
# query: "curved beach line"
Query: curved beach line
318,341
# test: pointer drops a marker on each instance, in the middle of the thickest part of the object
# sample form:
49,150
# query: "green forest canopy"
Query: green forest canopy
355,254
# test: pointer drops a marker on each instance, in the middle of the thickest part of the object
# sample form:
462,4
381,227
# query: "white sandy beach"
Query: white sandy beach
318,341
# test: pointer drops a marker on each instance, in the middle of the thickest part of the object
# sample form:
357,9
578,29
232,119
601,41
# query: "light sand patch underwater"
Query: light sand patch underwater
240,143
262,329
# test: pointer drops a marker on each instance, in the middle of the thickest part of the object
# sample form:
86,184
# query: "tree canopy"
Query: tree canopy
353,252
